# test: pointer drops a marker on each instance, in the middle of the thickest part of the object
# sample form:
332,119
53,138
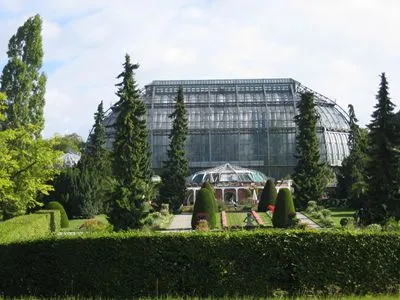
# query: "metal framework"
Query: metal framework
246,122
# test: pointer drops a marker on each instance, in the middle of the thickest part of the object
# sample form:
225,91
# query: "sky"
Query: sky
335,47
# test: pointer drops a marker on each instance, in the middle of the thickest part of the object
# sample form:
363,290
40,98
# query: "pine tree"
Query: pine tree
383,166
352,177
173,189
309,179
131,154
22,80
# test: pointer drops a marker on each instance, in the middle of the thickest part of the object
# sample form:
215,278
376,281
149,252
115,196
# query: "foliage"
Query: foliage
69,143
173,188
268,196
210,187
320,214
30,226
96,184
54,205
310,176
352,175
131,154
93,225
283,208
204,208
22,80
26,167
383,166
209,264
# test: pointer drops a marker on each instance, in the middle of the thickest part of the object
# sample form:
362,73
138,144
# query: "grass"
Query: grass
339,213
265,218
218,223
235,219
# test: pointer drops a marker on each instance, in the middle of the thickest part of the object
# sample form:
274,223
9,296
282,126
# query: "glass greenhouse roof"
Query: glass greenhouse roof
246,122
227,174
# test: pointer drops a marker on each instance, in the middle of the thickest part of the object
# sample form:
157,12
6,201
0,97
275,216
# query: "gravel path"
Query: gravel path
304,220
181,222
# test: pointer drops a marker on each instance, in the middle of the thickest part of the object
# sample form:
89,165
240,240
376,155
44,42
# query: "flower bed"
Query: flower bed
257,217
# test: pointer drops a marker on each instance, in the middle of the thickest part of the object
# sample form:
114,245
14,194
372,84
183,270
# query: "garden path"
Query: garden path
304,220
181,222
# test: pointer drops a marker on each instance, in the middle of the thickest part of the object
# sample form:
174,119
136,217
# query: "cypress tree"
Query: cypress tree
352,176
131,154
22,79
173,189
383,165
268,196
309,179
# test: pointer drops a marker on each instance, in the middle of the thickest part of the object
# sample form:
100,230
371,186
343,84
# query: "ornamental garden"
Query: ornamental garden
102,227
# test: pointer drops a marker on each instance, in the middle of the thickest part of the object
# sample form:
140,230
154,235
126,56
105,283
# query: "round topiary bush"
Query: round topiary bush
204,209
57,206
282,208
268,196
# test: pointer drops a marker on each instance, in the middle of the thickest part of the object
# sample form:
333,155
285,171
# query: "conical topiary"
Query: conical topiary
268,196
209,186
282,208
204,208
57,206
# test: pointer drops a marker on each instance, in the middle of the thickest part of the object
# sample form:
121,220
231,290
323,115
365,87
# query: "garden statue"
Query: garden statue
249,220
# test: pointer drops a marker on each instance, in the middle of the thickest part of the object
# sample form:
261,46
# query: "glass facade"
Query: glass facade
249,123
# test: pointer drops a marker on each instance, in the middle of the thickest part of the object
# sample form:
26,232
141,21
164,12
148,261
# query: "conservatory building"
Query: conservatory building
244,122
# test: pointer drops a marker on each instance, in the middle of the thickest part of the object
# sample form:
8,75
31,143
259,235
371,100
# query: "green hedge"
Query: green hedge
253,263
30,226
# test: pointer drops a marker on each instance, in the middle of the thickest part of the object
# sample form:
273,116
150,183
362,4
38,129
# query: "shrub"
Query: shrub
374,227
215,265
209,186
282,207
204,208
57,206
25,227
326,213
326,222
268,196
202,225
93,225
344,222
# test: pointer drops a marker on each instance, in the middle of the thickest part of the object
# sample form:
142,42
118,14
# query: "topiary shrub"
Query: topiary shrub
58,206
210,187
204,209
282,208
268,196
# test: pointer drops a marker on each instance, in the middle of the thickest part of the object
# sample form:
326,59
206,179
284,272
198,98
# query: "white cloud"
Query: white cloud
337,48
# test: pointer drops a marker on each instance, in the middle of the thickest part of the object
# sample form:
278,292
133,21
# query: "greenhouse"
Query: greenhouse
244,122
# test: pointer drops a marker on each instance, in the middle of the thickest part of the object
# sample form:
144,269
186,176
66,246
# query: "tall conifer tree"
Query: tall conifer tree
173,189
309,179
352,176
95,169
22,79
383,166
131,154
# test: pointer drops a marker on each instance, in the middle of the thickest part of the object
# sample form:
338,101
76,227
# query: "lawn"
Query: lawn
265,218
236,219
339,213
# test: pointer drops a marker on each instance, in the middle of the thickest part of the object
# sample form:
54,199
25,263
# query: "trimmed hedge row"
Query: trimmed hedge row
30,226
255,263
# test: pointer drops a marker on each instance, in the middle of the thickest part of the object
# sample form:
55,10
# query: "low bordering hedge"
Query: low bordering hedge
253,263
25,227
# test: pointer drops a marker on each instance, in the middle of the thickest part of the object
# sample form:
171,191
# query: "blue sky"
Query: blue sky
337,48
